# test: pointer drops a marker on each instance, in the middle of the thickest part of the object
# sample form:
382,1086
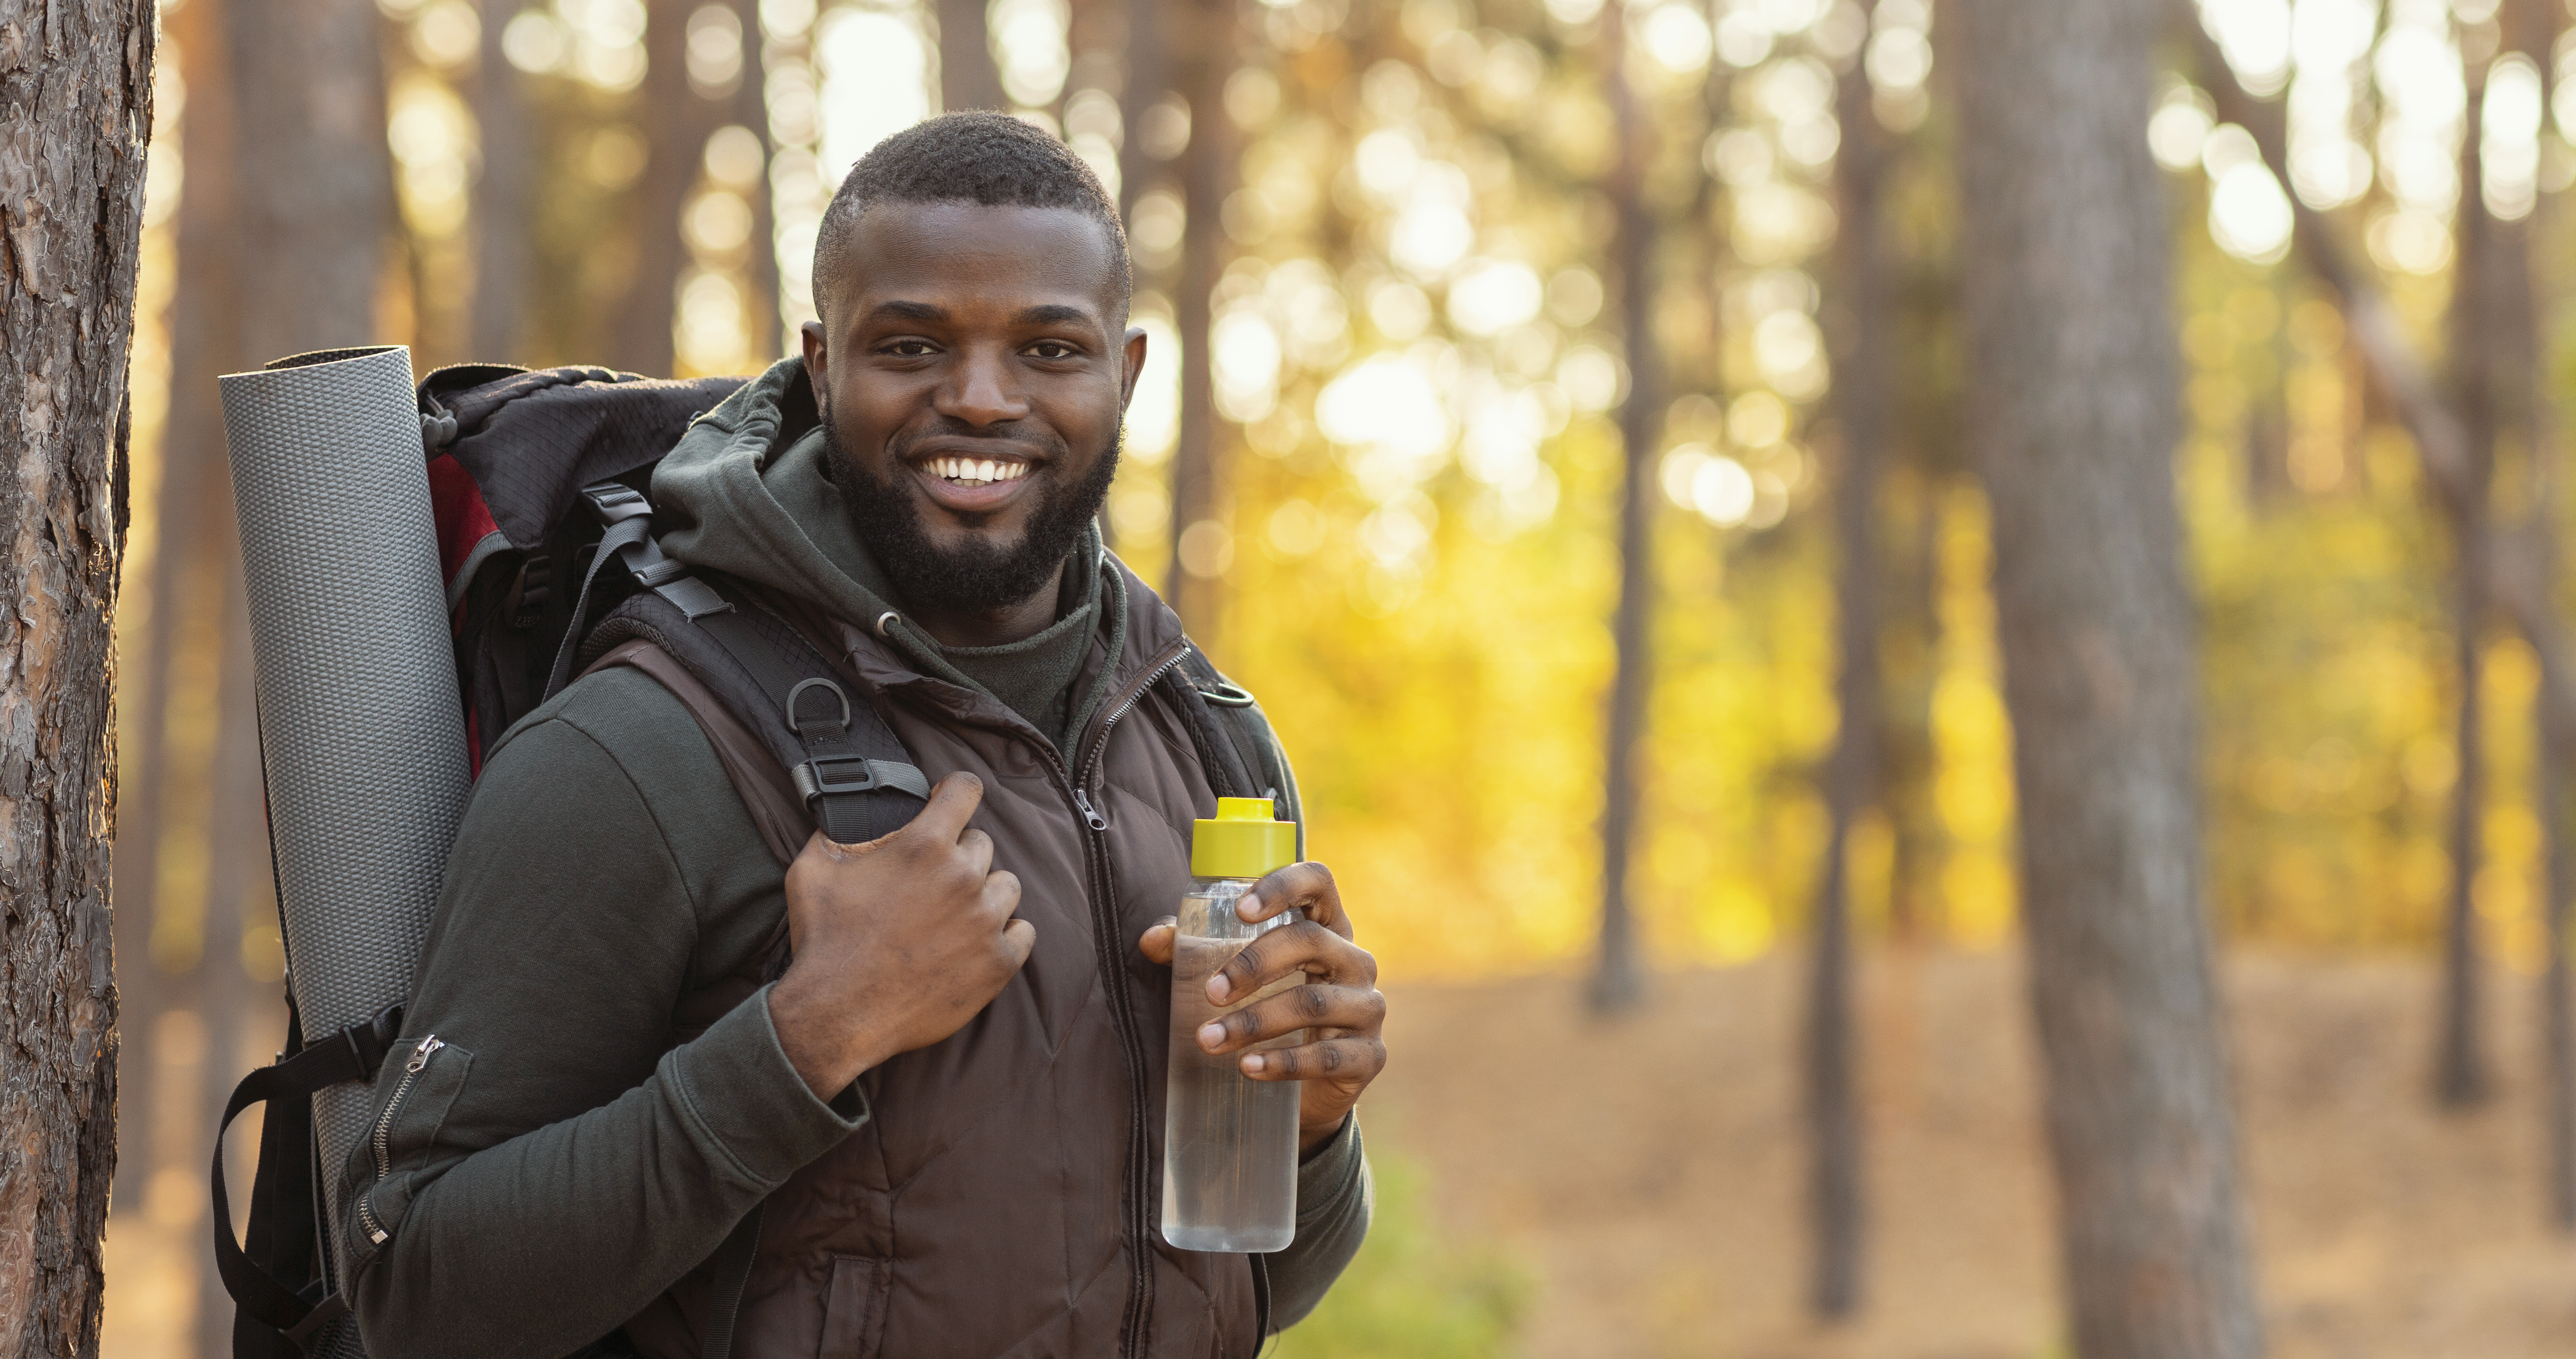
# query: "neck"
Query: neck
995,627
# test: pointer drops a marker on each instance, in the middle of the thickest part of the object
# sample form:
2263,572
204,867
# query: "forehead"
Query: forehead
967,255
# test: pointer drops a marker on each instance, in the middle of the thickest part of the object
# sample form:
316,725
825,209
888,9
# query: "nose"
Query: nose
982,389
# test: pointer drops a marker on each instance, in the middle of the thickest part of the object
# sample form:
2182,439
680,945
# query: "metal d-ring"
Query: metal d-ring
795,723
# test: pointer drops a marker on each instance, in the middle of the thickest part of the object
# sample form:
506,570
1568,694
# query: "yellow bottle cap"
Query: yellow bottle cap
1242,842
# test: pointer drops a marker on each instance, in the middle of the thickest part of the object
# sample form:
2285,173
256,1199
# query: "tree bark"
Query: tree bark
1203,170
968,76
1863,378
2075,415
76,81
676,123
316,179
1618,978
503,208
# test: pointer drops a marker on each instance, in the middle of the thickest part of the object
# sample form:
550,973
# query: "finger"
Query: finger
1356,1008
1303,947
1157,941
952,802
978,849
822,849
1018,937
1306,887
1339,1059
1001,893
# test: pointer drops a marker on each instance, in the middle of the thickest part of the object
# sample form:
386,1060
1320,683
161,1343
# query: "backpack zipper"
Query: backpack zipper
376,1233
1131,1042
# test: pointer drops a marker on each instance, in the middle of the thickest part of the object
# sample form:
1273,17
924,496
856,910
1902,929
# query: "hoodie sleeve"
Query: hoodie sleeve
552,1162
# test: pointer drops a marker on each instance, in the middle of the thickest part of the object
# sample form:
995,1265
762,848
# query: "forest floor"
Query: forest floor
1649,1174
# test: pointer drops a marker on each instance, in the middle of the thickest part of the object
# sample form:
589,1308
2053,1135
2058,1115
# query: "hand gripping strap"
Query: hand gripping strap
352,1054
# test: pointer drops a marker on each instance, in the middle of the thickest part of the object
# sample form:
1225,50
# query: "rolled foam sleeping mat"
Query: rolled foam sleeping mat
361,732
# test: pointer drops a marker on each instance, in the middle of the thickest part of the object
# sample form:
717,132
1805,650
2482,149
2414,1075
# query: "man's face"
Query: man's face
972,380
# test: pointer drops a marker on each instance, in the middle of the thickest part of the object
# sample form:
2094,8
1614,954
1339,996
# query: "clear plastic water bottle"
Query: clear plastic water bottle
1229,1142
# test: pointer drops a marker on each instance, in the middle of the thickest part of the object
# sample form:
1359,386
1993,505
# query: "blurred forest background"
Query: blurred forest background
1558,415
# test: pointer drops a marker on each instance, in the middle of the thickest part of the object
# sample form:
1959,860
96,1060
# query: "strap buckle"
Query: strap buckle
826,775
614,502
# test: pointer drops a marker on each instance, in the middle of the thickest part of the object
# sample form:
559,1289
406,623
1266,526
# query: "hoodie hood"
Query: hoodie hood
748,491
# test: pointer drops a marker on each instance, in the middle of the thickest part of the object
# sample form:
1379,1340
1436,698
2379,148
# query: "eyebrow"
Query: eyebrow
1053,313
910,311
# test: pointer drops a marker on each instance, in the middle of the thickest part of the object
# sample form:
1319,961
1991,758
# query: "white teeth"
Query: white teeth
977,471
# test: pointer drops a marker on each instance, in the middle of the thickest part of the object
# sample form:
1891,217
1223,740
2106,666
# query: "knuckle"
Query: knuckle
1314,1002
1332,1055
1376,1007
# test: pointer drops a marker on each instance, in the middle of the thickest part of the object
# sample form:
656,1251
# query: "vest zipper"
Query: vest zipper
1131,1042
384,1131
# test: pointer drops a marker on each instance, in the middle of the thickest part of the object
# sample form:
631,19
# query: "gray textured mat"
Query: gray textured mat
360,726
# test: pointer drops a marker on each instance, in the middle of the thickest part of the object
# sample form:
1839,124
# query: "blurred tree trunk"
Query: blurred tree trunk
237,866
675,123
1145,84
751,109
2460,1066
203,330
1863,378
1208,58
77,81
315,183
968,76
2075,416
1618,978
504,207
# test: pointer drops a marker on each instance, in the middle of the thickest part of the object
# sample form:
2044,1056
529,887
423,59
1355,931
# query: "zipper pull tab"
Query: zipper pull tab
1089,813
420,1055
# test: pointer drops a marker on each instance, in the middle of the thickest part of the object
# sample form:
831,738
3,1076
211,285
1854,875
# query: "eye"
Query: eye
908,349
1053,349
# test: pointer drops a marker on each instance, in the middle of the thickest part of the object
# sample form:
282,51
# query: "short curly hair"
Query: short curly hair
971,157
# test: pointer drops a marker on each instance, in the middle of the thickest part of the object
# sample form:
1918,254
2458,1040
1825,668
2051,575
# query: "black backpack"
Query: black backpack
540,480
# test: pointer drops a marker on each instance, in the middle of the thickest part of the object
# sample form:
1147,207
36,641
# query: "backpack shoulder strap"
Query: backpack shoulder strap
763,785
845,771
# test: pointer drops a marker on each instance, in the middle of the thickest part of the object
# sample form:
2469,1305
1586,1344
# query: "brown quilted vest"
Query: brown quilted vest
1001,1198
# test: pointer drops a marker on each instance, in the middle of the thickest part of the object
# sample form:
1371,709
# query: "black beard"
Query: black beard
978,576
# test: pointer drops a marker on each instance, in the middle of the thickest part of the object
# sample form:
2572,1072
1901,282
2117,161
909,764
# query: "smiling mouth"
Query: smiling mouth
975,471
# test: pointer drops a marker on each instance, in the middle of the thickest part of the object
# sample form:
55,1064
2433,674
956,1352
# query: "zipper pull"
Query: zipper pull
1089,813
420,1055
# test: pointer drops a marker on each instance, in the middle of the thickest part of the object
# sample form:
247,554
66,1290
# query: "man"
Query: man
949,1106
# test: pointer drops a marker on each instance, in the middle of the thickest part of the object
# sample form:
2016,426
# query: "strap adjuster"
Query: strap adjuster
826,775
614,502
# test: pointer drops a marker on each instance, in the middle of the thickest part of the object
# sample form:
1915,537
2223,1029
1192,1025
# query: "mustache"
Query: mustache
1031,441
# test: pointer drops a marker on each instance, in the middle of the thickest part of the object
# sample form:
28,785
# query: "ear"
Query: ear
818,367
1133,364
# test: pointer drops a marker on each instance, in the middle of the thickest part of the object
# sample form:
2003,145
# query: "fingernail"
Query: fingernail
1245,905
1219,988
1254,1062
1211,1036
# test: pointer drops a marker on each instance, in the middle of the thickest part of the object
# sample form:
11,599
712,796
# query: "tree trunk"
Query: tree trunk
316,180
203,328
76,80
675,125
2460,1067
1203,166
2073,393
968,77
760,273
1863,380
504,210
1145,83
1618,978
237,866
